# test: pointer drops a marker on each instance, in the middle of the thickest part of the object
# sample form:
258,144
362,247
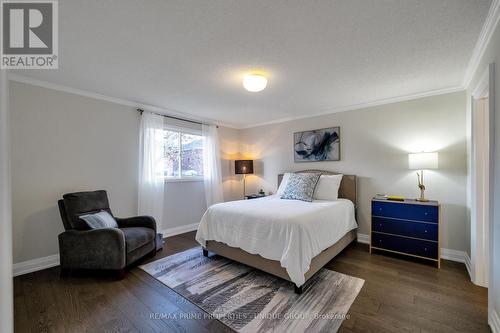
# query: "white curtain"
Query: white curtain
151,182
211,165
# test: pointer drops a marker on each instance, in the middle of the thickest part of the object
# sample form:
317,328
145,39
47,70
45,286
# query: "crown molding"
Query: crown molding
482,43
492,19
362,106
169,112
94,95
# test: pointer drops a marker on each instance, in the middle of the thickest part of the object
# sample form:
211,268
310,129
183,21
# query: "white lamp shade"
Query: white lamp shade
423,161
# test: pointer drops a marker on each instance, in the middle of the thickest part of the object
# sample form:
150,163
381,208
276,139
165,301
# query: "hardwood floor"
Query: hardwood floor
398,296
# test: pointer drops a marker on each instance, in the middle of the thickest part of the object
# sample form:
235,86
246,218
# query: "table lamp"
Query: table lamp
243,167
422,161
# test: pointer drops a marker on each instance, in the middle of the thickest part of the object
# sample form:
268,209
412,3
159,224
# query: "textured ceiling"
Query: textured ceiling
190,56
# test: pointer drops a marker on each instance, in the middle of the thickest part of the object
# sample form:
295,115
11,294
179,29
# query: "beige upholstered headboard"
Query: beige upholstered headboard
347,188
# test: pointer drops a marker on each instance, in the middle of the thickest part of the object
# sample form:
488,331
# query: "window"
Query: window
183,155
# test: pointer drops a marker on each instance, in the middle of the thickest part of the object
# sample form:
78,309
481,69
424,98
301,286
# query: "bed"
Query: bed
290,239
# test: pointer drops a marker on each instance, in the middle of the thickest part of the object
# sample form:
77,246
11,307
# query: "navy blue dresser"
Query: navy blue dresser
406,227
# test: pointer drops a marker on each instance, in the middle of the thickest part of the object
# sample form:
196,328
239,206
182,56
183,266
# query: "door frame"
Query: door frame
6,284
481,235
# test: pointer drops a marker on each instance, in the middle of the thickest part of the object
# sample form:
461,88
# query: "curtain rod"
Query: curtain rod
176,118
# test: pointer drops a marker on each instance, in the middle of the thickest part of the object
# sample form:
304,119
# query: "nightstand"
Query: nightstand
254,196
408,227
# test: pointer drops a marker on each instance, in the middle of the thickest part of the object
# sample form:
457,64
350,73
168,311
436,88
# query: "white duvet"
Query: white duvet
290,231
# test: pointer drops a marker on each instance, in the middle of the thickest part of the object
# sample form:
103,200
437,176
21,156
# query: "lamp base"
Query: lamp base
422,191
244,185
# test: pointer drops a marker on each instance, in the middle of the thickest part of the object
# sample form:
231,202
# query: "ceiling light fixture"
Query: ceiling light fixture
254,82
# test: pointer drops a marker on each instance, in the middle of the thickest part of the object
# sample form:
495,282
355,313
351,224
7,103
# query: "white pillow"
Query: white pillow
99,220
328,187
284,182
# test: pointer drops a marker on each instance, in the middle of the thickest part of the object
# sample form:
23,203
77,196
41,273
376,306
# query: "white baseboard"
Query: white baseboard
494,321
453,255
38,264
468,265
179,230
363,238
447,254
34,265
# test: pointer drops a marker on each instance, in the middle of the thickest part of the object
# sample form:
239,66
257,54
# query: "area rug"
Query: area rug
249,300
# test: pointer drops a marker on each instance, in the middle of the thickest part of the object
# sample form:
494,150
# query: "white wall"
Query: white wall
492,55
230,151
184,203
63,142
6,295
374,146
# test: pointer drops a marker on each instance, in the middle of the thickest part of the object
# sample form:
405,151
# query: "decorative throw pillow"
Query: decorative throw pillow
99,220
328,187
301,186
284,182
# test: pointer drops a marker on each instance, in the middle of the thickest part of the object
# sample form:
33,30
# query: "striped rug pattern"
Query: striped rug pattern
249,300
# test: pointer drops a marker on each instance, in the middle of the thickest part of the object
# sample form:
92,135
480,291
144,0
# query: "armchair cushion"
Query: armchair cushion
139,253
137,236
137,221
93,249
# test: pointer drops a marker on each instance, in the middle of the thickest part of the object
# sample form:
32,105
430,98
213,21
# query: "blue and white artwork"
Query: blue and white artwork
317,145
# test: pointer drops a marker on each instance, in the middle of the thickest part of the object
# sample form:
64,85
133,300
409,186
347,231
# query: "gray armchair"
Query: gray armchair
113,248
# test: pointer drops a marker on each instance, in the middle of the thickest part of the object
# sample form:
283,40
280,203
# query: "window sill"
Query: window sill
183,180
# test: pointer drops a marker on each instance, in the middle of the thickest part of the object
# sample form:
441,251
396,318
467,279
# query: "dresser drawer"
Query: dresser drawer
405,228
405,245
405,211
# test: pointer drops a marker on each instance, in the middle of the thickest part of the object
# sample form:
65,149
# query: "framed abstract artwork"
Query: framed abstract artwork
317,145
